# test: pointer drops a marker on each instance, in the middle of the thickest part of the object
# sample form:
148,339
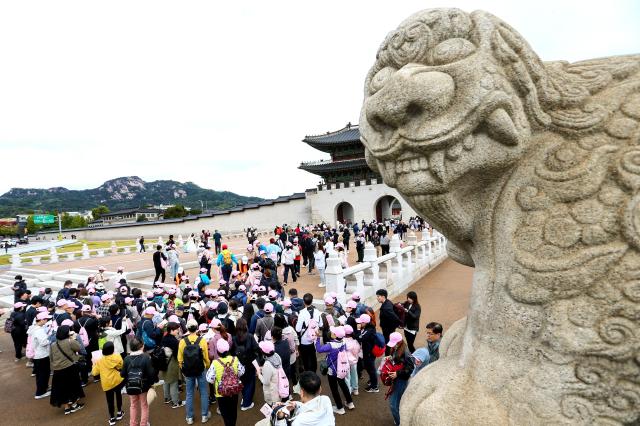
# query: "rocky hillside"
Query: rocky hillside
120,193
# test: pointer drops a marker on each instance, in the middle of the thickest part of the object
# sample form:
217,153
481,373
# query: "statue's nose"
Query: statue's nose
409,96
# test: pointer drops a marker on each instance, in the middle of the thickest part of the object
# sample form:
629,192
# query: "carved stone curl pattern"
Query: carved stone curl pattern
532,170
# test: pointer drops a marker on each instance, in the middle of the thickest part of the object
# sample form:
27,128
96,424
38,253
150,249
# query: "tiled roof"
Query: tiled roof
350,134
328,165
129,211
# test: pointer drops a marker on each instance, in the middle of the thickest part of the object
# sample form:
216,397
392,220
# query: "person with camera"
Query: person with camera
66,388
313,409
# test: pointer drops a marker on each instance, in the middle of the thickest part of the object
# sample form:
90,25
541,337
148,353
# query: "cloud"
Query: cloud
219,93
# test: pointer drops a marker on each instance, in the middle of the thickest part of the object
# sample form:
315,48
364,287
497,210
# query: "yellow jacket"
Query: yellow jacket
108,368
203,345
219,368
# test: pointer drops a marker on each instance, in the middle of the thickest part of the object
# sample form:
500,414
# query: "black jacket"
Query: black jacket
148,373
407,360
156,259
388,318
367,340
412,317
90,325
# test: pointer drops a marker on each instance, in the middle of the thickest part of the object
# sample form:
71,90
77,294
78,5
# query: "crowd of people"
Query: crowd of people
245,339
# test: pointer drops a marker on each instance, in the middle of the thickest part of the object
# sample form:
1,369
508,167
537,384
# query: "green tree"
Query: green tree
8,231
99,211
195,211
141,218
32,228
175,212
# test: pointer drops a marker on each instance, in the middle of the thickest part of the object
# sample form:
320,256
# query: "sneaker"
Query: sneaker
247,408
119,415
76,407
206,418
179,404
33,374
338,411
322,285
44,395
218,411
29,364
189,420
355,392
16,360
350,406
67,411
373,390
83,384
112,421
167,401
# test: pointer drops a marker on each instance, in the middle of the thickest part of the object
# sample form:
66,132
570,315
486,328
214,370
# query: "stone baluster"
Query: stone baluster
100,253
53,255
114,248
160,240
334,277
396,262
371,275
15,260
355,283
425,235
71,256
85,251
35,260
127,250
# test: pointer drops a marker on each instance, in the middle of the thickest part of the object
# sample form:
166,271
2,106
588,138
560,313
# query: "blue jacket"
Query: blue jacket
254,321
332,348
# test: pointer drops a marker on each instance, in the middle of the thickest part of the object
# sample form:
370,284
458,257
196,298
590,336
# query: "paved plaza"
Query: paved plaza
444,294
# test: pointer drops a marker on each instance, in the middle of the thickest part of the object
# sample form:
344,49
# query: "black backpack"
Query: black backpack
159,358
243,352
204,262
135,377
192,359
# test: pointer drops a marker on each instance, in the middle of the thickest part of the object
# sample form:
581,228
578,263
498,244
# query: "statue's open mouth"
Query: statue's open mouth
425,150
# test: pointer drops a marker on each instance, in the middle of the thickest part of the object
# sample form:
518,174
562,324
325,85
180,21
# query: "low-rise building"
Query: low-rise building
131,216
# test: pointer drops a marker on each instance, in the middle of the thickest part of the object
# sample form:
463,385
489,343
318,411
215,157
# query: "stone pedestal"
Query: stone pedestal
334,277
53,255
85,251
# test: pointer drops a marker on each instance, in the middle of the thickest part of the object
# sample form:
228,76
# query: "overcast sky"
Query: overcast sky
220,93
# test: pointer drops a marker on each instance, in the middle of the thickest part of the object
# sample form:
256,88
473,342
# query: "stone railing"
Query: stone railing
394,271
87,253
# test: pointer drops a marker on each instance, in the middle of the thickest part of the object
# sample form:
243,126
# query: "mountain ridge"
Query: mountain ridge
119,193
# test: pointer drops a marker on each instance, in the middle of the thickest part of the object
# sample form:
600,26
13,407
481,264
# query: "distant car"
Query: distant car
8,242
23,240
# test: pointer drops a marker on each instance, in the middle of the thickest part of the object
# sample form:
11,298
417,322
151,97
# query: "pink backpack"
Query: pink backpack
343,367
84,336
313,329
283,383
31,351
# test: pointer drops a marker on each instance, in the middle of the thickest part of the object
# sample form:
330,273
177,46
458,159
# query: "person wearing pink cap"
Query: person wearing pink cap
66,388
228,404
353,351
332,348
265,323
18,327
308,315
90,324
403,365
268,374
40,343
367,340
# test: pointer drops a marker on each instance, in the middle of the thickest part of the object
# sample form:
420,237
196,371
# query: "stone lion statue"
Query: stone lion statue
532,171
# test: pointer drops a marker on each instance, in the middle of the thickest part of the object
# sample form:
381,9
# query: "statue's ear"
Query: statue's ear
525,71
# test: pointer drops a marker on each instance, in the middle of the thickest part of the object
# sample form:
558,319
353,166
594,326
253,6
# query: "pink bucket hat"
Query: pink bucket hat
208,292
18,305
222,282
351,304
222,346
355,296
87,308
215,323
202,327
235,273
348,330
150,311
328,300
268,308
203,269
71,304
105,297
266,346
273,294
394,339
128,300
67,322
363,319
60,303
286,303
242,287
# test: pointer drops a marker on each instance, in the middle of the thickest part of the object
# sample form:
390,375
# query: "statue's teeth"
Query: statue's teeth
469,142
424,164
501,127
436,164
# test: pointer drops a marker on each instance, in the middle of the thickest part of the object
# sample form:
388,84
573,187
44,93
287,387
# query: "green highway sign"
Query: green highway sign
44,219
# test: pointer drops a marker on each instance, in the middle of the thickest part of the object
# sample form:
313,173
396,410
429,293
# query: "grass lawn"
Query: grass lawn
6,259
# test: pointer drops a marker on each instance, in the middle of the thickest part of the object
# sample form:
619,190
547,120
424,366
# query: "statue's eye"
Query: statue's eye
451,50
379,80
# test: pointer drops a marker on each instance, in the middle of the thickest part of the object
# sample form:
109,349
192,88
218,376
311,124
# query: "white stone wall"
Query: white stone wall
316,207
362,198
